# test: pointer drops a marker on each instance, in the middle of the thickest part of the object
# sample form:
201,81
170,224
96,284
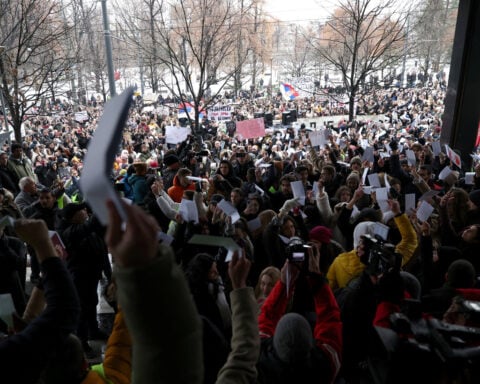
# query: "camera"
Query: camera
296,250
380,256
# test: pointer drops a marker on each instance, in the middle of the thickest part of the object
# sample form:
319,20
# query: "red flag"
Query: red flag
249,129
116,75
477,142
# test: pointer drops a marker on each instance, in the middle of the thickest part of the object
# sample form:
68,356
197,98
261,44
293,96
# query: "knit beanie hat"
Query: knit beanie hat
293,339
321,234
364,228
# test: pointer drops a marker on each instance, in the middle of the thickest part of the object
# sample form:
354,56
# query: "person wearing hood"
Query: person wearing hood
181,183
351,264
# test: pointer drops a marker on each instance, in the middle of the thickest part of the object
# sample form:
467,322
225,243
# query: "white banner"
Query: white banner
220,113
175,135
81,116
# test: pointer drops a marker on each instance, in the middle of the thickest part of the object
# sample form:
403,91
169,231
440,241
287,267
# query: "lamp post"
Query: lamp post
108,49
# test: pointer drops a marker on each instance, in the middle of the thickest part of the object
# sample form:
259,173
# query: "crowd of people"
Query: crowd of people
343,242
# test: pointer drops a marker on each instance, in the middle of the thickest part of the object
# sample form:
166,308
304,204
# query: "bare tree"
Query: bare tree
299,60
361,38
433,32
192,43
35,54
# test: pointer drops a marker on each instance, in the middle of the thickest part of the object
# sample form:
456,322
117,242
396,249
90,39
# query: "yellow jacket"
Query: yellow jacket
347,266
116,367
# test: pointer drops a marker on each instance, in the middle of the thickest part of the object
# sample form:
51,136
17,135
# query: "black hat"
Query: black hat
475,197
170,159
70,209
216,198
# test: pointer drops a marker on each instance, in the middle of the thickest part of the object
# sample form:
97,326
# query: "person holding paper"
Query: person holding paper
290,353
181,183
167,336
25,355
349,265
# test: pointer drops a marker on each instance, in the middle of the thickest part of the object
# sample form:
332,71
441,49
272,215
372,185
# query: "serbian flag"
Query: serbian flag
453,156
187,109
288,92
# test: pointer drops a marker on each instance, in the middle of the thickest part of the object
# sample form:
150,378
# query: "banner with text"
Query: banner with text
220,113
249,129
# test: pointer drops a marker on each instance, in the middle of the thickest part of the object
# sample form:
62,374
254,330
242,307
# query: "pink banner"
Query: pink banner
249,129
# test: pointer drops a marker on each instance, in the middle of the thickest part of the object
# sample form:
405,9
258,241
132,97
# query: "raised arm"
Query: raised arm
241,363
159,311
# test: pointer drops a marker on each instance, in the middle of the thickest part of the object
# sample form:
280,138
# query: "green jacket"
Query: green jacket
241,363
165,328
21,168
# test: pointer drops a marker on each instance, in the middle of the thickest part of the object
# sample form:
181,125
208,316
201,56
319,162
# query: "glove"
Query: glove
391,287
289,205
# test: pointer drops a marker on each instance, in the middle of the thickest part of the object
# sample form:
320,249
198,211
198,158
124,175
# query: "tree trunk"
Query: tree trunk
351,105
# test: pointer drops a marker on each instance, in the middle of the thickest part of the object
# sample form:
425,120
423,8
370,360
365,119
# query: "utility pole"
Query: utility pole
108,49
403,82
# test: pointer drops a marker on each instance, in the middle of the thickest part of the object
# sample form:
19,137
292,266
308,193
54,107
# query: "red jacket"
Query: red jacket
328,326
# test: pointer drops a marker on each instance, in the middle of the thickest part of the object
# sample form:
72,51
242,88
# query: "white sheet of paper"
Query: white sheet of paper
367,189
383,204
229,210
194,178
411,157
315,190
188,210
260,190
364,175
298,191
217,241
381,194
381,230
317,138
385,179
428,195
409,203
285,239
444,173
368,155
374,180
469,178
424,211
436,148
355,212
94,183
